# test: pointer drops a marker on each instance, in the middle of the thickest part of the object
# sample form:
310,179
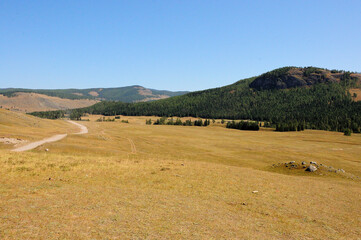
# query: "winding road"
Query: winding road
29,146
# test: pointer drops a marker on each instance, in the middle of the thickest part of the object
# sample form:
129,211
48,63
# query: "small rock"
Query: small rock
313,163
291,162
244,203
46,150
304,163
255,192
341,170
293,166
311,168
165,169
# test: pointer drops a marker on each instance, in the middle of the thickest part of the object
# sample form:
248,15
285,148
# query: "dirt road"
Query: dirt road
54,138
83,129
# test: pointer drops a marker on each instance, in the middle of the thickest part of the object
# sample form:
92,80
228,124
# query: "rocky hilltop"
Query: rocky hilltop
291,77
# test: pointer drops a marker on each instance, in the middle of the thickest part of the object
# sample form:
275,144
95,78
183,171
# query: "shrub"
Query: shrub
347,132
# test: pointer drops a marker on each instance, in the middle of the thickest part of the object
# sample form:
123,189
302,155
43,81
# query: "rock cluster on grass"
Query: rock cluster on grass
291,165
311,167
314,167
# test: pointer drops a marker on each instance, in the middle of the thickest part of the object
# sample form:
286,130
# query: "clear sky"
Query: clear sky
172,45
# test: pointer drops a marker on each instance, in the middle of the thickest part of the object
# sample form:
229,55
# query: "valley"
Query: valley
194,120
132,180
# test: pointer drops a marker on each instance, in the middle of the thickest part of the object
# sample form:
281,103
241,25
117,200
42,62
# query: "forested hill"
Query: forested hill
319,104
125,94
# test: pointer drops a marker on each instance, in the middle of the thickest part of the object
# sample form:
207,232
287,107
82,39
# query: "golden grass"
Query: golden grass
26,127
182,183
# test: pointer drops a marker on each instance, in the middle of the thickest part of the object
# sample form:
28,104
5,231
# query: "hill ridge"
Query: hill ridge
58,99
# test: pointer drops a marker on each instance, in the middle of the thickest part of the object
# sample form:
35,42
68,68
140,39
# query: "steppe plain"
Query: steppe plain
138,181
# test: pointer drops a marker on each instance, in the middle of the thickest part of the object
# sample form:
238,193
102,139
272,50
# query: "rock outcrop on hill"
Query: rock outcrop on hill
291,77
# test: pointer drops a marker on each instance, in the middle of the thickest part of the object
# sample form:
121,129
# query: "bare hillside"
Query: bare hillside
30,102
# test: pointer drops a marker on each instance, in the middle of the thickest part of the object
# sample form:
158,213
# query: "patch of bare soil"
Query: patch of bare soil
144,92
93,93
155,97
16,141
355,94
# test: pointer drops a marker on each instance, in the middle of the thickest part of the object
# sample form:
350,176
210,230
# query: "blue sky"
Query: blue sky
173,45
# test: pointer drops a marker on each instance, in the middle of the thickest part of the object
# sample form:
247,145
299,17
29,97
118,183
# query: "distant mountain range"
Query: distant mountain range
45,99
314,97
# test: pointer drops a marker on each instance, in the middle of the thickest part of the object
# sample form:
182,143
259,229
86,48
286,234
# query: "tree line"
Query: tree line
178,121
243,125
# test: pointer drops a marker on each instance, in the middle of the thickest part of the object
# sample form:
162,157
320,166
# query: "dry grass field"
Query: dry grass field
138,181
15,125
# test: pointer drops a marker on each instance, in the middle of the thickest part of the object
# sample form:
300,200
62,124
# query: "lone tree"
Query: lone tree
347,132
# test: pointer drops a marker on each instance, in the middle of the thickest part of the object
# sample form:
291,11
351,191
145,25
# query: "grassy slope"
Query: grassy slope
26,127
182,183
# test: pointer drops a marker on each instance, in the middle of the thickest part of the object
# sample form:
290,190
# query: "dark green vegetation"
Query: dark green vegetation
243,125
325,105
178,121
124,94
51,114
75,115
347,132
290,127
103,119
